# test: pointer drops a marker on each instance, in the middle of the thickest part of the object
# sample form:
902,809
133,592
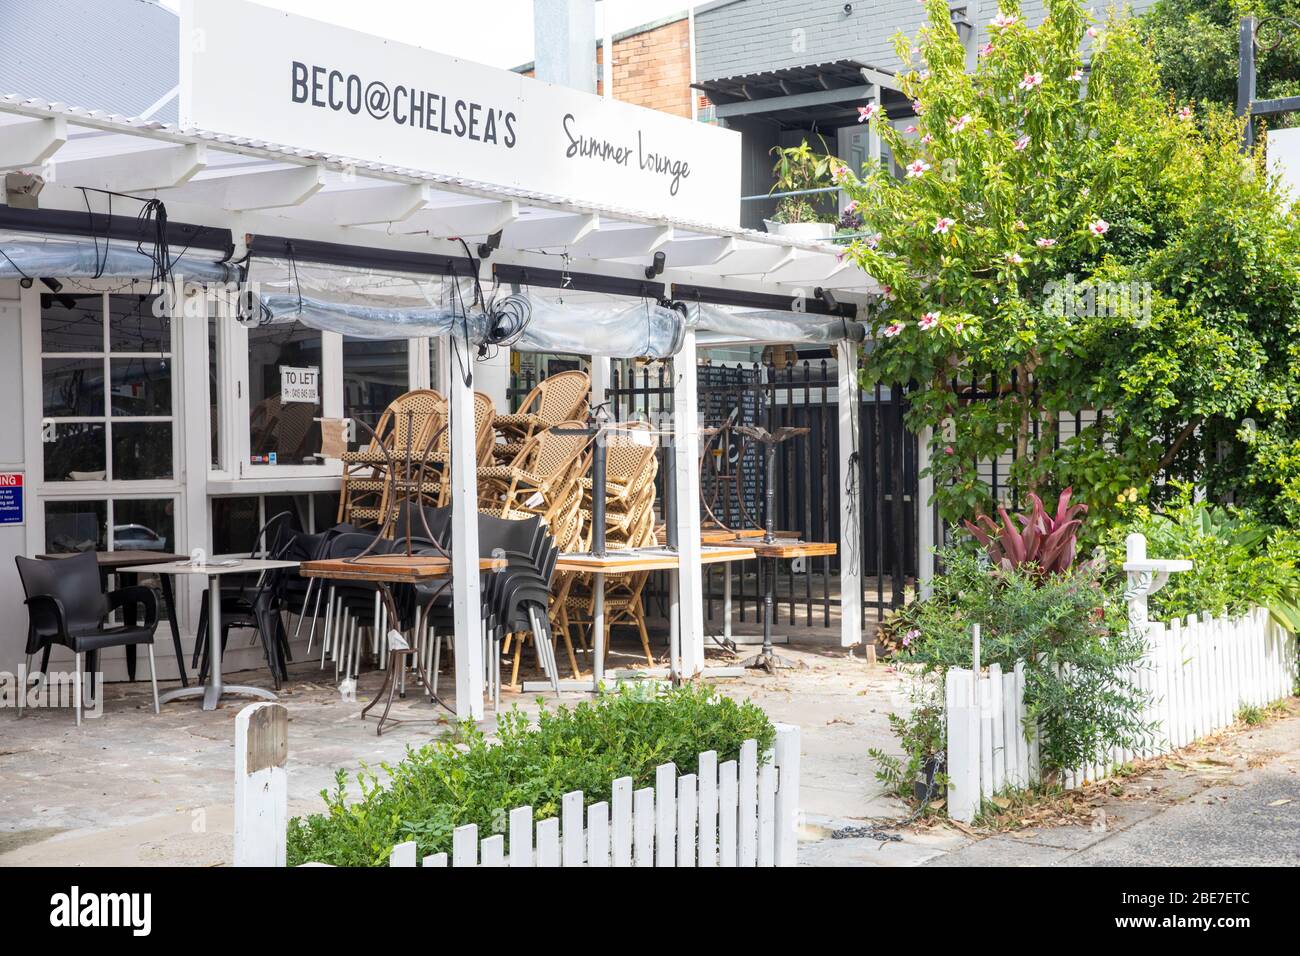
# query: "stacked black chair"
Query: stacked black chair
66,606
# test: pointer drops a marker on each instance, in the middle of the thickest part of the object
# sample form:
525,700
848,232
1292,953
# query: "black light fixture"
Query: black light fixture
25,282
657,267
54,285
493,242
827,297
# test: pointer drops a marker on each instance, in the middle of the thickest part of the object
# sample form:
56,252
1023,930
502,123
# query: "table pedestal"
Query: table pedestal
767,659
211,691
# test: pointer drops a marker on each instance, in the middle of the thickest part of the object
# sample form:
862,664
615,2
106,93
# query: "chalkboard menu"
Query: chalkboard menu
731,478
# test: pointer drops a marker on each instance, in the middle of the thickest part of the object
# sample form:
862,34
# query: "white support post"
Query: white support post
261,784
850,504
925,522
468,639
686,439
601,380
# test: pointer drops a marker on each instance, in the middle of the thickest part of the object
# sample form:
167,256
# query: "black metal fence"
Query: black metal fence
802,394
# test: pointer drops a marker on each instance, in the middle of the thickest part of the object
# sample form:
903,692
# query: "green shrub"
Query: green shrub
1070,629
1238,562
465,779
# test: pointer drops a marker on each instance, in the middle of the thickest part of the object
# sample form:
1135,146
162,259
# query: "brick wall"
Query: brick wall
652,67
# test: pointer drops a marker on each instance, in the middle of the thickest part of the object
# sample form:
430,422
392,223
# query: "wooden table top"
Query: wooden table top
389,568
647,559
788,548
212,568
113,560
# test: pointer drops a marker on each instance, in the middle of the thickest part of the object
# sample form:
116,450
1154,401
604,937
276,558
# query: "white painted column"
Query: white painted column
850,471
602,380
924,514
464,530
686,444
492,378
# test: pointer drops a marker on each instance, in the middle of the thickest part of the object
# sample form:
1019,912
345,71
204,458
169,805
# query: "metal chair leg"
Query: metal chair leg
22,685
153,678
77,694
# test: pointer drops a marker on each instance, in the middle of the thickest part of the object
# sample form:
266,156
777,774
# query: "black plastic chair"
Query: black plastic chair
65,605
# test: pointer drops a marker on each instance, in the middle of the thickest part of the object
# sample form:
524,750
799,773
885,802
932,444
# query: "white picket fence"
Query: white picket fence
735,813
1197,675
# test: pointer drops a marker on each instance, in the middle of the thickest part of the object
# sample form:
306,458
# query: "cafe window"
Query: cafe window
237,519
374,373
106,384
110,524
284,395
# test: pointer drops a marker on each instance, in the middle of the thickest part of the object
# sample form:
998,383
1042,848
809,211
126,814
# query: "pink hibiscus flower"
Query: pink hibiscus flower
928,321
942,225
1099,228
893,329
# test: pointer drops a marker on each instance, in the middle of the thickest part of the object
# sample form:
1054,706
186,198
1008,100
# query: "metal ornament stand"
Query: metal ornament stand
766,658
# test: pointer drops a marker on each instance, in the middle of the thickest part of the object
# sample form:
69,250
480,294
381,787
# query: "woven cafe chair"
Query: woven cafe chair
543,478
630,469
404,432
559,398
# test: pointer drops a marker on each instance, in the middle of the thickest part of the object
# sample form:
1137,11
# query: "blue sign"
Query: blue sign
11,498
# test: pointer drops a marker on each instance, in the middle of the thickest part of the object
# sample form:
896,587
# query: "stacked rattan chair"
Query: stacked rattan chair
542,480
405,431
559,398
631,466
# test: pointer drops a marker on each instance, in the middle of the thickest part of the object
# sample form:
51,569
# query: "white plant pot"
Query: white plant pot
801,230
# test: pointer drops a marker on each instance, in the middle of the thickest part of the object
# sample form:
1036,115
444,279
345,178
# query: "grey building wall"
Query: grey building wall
121,56
735,37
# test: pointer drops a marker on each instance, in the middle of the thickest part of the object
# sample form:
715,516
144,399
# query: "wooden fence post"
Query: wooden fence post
261,784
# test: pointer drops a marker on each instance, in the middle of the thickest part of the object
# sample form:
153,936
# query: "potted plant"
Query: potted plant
798,168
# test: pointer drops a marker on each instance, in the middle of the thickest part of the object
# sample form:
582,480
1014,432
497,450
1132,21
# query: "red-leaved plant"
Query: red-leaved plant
1047,542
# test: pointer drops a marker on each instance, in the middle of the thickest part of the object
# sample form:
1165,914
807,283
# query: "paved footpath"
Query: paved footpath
1235,801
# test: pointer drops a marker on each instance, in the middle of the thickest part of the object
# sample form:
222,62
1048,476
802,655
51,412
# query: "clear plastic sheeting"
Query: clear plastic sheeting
366,322
617,328
26,256
335,286
764,325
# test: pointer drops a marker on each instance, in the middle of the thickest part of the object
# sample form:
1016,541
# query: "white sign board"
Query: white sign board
299,385
248,70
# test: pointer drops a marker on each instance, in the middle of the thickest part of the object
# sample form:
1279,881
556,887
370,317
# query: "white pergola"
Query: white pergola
254,188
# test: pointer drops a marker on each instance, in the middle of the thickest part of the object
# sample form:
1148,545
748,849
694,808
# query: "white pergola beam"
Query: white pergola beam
139,171
630,243
806,267
753,261
275,189
549,232
362,207
688,253
32,142
850,543
463,219
686,457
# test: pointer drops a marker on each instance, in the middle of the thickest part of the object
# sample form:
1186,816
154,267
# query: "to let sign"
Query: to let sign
299,385
11,498
248,70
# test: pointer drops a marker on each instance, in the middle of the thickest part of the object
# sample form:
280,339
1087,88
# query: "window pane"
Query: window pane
73,387
133,327
144,524
141,386
327,510
214,384
74,451
234,525
296,505
142,450
72,323
76,526
374,373
281,432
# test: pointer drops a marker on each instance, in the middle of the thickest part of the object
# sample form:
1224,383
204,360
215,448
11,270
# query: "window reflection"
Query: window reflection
374,373
72,526
282,431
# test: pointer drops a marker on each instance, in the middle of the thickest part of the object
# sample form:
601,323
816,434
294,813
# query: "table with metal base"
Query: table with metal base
212,691
626,562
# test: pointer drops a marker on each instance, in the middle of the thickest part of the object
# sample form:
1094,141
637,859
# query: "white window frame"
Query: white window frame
107,489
